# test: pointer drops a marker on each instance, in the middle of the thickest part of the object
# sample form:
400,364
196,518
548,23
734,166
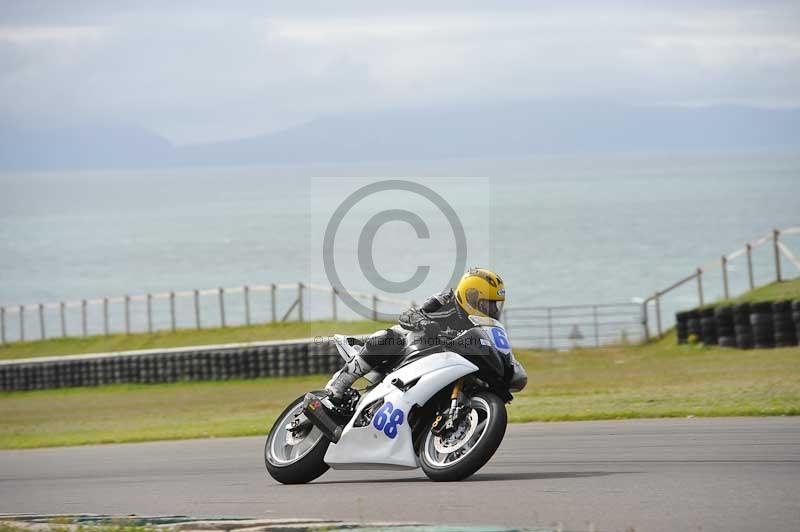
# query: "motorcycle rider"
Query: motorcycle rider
480,292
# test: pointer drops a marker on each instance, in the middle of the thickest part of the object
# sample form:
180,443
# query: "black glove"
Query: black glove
431,328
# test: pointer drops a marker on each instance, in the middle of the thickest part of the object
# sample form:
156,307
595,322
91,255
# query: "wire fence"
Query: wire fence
546,327
774,244
570,326
197,309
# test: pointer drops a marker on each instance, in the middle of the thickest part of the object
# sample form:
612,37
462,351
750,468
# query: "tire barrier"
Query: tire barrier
681,326
796,318
726,332
693,327
783,326
708,326
742,327
760,325
223,362
761,320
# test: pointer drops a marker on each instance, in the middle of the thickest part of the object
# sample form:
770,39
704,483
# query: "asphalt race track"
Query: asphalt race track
644,475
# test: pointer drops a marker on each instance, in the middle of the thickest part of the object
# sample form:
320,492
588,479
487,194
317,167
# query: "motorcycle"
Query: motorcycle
442,408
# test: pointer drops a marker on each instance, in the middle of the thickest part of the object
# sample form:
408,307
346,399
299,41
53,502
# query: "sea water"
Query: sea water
559,229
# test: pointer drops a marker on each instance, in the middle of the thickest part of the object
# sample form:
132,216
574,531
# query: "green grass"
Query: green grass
774,291
185,337
128,413
660,379
771,292
60,524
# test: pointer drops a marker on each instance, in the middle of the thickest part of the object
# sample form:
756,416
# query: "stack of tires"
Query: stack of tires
708,326
681,327
741,326
783,324
796,318
761,320
694,329
726,329
761,325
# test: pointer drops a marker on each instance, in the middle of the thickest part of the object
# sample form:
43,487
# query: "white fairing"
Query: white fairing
389,445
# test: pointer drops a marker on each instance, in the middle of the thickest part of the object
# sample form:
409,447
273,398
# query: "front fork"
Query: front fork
451,416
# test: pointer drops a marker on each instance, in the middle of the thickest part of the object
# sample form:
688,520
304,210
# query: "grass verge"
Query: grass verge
660,379
185,337
769,292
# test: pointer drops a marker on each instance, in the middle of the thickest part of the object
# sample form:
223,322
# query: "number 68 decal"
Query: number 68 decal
387,419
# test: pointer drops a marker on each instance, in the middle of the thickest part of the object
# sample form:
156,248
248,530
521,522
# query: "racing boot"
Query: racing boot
344,379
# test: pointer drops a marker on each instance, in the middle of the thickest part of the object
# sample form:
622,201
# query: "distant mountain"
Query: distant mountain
490,132
511,131
90,146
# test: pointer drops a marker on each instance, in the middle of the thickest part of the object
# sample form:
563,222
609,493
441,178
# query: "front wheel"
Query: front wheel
295,448
466,449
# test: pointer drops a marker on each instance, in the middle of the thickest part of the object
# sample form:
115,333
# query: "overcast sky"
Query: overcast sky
201,71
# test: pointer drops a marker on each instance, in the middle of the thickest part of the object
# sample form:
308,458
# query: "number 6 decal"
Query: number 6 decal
387,419
500,338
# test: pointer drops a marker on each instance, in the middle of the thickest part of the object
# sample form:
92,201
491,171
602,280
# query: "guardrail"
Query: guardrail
567,326
160,311
201,363
778,248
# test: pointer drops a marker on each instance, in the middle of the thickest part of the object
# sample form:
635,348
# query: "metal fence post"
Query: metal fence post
41,321
750,265
149,313
127,314
105,315
658,313
300,301
222,306
22,323
197,308
550,327
84,326
246,292
775,235
699,287
2,325
63,318
724,262
273,306
333,304
644,318
596,327
172,311
374,307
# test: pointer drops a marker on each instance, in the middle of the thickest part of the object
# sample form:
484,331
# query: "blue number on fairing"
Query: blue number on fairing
387,419
500,338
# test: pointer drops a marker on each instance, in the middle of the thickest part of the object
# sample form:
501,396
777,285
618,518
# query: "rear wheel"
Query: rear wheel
466,449
295,455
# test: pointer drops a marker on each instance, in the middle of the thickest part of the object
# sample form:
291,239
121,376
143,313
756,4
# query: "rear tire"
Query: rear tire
436,465
308,465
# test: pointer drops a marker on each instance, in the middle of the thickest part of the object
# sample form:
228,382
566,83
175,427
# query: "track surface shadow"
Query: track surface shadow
483,477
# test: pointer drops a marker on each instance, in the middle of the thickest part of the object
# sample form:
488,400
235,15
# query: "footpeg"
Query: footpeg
319,416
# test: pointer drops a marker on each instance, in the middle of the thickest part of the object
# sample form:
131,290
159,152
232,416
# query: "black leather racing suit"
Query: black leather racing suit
442,309
382,350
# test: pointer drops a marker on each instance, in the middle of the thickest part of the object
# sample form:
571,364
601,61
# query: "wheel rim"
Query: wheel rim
287,446
444,452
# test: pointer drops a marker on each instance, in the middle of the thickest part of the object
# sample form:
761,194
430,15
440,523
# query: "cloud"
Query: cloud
219,73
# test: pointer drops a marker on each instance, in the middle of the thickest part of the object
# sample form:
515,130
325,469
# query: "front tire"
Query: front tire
295,457
471,446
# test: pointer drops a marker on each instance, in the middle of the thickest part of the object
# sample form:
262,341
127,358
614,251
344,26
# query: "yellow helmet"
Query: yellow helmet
481,292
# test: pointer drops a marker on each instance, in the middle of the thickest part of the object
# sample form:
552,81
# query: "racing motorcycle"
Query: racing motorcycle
441,408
